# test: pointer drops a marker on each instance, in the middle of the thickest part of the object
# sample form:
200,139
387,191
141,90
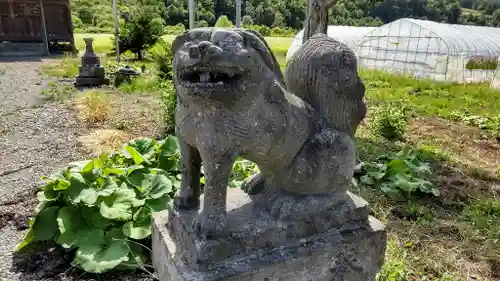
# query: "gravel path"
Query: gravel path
36,138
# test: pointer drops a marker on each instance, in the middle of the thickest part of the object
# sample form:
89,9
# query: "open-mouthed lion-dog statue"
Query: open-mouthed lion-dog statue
232,101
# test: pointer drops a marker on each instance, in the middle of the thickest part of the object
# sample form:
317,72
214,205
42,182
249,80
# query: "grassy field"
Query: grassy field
452,237
103,42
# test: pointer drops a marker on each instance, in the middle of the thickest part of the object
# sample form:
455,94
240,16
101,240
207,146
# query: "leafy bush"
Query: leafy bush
491,124
487,63
390,122
247,20
271,32
102,207
397,175
223,21
169,102
174,29
161,54
141,30
202,23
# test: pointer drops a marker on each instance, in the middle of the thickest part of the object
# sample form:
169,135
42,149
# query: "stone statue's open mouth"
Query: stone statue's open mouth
209,77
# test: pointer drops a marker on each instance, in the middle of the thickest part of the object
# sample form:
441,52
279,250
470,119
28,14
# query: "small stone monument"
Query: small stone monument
297,222
90,73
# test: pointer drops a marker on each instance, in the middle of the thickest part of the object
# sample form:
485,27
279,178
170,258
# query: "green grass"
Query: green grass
450,238
103,42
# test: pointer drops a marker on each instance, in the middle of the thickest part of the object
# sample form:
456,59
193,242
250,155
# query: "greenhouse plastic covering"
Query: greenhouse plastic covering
429,49
348,35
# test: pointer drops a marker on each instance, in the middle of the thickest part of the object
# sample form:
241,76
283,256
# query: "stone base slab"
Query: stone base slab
262,249
90,81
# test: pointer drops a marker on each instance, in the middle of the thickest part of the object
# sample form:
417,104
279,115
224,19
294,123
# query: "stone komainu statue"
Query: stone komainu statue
232,102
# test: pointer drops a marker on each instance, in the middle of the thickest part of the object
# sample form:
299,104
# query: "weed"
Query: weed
395,267
169,102
57,92
93,106
485,216
161,54
390,122
122,125
397,175
64,68
139,85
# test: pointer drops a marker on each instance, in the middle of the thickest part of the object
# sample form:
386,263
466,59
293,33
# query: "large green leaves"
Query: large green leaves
77,225
118,206
398,175
101,255
97,206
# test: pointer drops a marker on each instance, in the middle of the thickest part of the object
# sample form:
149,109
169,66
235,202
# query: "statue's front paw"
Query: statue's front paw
254,184
210,225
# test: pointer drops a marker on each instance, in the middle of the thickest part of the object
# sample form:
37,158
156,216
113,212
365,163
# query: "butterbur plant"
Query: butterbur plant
102,207
398,175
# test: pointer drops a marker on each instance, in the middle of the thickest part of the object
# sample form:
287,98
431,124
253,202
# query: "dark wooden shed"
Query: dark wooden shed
36,22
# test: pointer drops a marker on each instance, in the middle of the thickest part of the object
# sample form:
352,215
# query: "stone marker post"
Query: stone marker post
90,72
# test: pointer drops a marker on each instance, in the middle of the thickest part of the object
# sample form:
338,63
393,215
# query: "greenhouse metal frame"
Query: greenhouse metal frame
438,51
349,35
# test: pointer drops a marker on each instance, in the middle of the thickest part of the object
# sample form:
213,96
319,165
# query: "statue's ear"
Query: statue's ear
256,41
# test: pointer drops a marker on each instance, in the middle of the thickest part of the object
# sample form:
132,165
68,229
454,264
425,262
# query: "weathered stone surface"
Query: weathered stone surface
261,248
90,73
232,101
300,222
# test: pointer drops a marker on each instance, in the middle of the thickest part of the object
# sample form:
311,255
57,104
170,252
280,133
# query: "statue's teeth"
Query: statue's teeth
205,77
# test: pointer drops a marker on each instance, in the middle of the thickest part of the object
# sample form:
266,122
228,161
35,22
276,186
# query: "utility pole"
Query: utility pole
117,32
44,31
238,13
192,11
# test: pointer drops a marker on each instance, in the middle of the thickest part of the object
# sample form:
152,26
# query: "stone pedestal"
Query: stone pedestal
90,73
260,248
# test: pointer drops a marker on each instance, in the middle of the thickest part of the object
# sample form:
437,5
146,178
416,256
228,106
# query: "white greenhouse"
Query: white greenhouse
348,35
438,51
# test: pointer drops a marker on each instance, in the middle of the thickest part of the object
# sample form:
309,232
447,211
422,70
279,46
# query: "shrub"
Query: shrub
102,207
487,63
223,21
390,122
398,175
174,29
161,54
141,31
202,23
247,20
169,102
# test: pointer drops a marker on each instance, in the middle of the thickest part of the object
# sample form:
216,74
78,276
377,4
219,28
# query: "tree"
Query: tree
223,21
142,29
247,20
279,20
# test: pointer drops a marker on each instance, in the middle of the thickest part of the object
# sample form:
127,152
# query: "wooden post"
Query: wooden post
44,30
117,32
192,11
238,13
